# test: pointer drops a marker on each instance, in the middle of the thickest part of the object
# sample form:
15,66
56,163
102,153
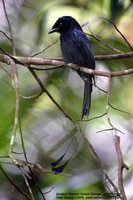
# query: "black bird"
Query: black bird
76,49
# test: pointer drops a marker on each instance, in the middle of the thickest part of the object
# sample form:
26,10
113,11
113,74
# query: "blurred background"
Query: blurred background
46,132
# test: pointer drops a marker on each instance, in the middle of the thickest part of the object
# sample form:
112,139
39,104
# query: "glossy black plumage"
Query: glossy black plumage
76,49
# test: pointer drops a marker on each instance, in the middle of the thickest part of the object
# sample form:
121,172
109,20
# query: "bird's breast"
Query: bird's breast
70,51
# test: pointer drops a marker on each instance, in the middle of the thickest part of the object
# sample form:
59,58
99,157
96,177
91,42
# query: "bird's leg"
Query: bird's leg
94,81
78,68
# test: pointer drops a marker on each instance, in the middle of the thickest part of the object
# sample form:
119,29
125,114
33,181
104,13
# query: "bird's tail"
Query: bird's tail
87,96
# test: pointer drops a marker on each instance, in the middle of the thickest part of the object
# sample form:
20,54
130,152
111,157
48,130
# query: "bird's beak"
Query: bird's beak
53,30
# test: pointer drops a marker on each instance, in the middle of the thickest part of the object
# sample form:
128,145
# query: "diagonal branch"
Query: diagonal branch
49,95
10,180
103,169
10,29
119,33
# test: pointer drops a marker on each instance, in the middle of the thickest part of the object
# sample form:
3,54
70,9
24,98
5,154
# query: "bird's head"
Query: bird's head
65,23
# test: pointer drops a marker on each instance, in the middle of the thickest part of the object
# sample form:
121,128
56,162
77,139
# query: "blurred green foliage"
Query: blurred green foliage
47,133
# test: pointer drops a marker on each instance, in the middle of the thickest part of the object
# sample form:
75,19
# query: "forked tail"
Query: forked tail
87,97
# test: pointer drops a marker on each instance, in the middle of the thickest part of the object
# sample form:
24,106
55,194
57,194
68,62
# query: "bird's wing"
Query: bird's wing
83,44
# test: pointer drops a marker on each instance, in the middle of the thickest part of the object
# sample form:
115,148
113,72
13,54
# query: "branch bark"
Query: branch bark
40,64
121,166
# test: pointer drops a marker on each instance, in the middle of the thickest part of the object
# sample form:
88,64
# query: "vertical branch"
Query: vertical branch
121,166
103,169
108,102
107,107
108,94
15,83
16,115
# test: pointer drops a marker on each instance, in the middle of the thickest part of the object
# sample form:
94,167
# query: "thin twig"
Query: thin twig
108,94
110,129
21,191
99,88
48,68
10,29
15,83
27,183
119,33
102,41
22,140
49,95
26,160
118,109
104,130
114,56
16,89
103,169
45,48
6,35
31,97
121,166
97,117
108,103
49,191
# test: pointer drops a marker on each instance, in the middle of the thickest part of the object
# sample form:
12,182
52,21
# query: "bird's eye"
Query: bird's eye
61,24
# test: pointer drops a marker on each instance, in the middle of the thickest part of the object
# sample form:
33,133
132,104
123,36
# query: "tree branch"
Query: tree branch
10,180
60,64
121,166
119,33
41,61
10,28
16,115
